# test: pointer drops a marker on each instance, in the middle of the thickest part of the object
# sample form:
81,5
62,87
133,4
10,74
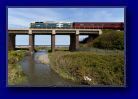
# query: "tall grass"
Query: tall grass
100,69
15,73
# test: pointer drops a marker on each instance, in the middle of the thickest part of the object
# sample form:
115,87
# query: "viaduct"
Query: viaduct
73,33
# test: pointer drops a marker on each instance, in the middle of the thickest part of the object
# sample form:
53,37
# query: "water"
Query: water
39,74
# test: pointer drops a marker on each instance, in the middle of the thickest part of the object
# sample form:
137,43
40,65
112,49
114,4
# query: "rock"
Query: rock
87,78
43,59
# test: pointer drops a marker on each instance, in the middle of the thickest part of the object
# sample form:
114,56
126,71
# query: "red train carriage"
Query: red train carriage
99,25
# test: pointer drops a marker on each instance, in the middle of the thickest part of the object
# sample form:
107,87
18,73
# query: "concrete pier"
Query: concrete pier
74,42
11,41
53,42
31,43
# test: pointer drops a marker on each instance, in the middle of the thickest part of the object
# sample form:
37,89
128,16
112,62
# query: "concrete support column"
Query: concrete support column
71,42
53,42
31,43
77,42
11,41
74,42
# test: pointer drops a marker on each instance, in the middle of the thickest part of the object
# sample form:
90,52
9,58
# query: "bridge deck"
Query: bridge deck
54,31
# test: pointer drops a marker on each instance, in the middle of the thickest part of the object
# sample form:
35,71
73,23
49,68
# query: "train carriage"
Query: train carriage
98,25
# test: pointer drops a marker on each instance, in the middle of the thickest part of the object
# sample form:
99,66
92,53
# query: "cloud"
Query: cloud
24,16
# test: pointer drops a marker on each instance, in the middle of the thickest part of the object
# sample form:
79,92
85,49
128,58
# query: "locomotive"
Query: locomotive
51,24
79,25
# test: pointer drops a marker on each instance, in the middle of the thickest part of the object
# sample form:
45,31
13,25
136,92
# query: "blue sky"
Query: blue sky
22,17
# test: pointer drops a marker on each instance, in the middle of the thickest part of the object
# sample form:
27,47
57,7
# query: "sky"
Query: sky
22,17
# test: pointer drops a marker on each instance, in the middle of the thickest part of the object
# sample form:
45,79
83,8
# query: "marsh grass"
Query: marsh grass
15,73
101,69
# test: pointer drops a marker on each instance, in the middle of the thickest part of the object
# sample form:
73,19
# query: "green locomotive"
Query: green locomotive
51,25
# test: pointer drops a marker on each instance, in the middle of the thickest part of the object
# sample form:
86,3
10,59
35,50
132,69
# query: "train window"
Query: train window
38,25
39,22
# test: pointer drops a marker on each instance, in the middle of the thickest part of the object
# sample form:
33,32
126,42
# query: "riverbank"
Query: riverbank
90,67
15,73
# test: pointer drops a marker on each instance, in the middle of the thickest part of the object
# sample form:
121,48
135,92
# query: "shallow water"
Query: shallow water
39,74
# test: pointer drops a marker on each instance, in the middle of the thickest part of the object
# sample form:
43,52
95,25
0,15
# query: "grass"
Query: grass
15,73
90,68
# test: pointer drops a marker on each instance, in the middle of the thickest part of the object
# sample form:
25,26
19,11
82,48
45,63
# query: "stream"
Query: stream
39,74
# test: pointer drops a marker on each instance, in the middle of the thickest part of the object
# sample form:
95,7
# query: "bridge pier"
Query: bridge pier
31,43
71,42
11,41
74,42
53,42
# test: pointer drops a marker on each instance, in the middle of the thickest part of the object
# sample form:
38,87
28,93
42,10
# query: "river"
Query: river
39,74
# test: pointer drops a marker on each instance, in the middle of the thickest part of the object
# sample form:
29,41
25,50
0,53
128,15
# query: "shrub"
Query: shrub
110,40
15,56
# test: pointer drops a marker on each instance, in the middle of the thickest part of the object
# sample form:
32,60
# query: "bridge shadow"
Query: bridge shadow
56,50
21,48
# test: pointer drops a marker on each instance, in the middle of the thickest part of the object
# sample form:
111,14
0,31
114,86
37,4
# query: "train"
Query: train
79,25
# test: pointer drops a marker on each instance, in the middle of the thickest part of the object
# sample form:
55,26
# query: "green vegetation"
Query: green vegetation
99,62
89,67
15,73
42,48
110,39
49,48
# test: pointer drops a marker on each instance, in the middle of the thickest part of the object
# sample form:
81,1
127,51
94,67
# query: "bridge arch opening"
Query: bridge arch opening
42,42
21,41
62,42
82,37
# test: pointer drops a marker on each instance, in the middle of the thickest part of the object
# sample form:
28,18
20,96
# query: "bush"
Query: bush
110,40
101,69
16,75
15,56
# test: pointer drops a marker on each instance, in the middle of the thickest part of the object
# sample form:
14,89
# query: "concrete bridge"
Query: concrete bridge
73,33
